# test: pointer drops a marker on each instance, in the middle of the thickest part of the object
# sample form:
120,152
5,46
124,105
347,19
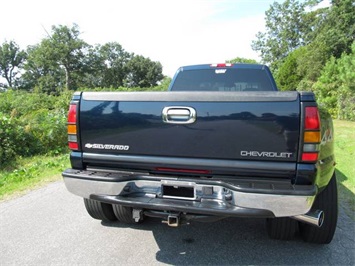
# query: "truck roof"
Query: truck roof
227,65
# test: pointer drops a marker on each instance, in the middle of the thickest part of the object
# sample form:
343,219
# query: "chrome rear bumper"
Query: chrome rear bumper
210,197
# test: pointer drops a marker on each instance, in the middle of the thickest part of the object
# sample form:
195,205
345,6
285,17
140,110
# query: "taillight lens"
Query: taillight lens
311,135
310,156
72,113
312,121
72,128
73,145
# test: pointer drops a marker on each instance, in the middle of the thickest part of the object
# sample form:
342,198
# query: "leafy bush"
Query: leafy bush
32,123
7,132
14,140
335,88
49,130
18,103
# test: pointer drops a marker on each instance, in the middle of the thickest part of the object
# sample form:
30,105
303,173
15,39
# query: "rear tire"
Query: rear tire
283,228
327,201
123,213
99,210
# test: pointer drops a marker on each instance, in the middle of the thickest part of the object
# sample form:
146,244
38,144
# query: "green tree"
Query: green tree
63,60
11,62
40,73
335,88
113,61
325,31
337,30
67,50
113,67
326,87
62,53
346,99
142,72
242,60
287,76
332,35
285,31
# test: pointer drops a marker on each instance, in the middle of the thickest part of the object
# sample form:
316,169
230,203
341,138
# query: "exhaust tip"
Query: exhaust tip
315,218
320,218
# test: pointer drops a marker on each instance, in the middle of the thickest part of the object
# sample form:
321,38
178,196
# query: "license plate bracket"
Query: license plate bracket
178,192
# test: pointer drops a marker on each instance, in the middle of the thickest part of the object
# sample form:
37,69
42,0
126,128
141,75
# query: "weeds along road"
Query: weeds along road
51,226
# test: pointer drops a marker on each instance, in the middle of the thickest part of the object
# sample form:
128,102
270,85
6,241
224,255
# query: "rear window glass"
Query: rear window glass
222,79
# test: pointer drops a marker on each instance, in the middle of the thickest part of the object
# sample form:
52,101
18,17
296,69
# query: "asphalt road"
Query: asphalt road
50,226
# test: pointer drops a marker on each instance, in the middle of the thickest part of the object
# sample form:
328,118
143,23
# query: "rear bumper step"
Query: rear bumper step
223,197
204,207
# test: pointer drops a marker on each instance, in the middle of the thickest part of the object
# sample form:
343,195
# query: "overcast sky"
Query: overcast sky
174,32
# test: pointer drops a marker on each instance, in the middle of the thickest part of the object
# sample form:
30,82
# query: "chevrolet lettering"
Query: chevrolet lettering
266,154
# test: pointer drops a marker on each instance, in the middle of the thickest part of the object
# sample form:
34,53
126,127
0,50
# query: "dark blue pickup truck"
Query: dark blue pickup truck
222,142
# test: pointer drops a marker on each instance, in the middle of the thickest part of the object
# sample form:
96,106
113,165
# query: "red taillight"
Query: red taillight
72,114
312,118
71,128
310,156
73,145
311,135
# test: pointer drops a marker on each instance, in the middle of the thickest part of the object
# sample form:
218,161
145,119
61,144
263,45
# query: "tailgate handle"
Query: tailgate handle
179,115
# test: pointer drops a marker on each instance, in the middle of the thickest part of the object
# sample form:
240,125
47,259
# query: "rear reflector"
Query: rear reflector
73,145
187,171
310,156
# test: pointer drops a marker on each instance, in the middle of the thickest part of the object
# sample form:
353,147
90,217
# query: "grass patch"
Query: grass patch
31,173
345,157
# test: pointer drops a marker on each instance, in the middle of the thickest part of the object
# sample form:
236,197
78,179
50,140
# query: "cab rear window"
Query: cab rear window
222,79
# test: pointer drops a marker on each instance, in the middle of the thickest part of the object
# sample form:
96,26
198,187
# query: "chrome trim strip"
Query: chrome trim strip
188,162
193,96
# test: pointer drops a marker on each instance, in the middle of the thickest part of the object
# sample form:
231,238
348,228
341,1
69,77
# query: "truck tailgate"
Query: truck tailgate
261,126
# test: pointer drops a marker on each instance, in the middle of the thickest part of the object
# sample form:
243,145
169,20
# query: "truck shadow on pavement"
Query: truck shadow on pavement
346,196
241,241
